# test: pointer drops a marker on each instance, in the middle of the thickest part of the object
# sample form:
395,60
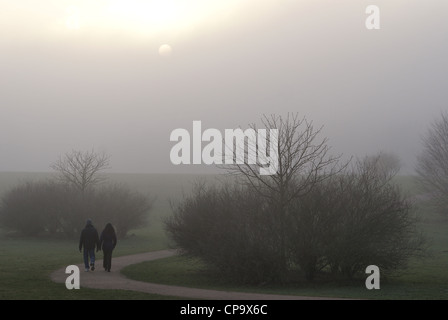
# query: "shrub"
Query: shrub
56,208
35,207
230,229
343,224
354,220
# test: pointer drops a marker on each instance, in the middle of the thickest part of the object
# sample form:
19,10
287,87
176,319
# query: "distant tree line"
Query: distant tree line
315,217
61,206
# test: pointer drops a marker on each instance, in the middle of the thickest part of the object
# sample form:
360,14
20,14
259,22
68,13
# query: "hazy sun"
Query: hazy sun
165,50
145,16
155,13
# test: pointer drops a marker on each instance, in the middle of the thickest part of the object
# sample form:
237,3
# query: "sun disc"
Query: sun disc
165,50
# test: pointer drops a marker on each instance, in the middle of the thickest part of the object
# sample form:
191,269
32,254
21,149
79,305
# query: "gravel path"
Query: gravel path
99,279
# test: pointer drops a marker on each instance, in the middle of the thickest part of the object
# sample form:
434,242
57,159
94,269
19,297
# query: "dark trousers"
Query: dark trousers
107,260
89,253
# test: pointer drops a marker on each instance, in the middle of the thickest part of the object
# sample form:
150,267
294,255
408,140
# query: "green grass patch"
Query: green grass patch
424,280
26,265
421,283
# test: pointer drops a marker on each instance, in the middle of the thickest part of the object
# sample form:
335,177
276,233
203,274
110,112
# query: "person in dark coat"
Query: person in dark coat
108,241
89,240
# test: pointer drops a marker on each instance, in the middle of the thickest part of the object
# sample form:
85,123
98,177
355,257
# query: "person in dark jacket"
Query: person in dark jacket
108,241
89,240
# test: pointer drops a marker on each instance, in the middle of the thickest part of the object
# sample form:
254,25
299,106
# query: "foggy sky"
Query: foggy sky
107,87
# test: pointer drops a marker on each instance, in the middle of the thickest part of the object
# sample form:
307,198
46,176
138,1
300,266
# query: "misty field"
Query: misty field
26,263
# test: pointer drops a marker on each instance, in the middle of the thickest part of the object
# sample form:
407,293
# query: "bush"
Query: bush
230,229
376,224
351,221
312,228
35,207
56,208
345,223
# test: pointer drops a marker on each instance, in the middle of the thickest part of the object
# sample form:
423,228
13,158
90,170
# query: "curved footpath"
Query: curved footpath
99,279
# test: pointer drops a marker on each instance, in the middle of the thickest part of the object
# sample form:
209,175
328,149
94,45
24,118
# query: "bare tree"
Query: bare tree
81,169
432,166
303,162
313,215
385,164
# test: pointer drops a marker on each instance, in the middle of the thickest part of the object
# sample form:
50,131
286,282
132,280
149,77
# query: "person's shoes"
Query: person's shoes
108,270
87,269
92,266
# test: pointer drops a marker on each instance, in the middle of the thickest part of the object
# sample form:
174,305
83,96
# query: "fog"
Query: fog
103,84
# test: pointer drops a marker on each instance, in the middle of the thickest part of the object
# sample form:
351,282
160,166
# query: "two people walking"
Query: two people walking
90,240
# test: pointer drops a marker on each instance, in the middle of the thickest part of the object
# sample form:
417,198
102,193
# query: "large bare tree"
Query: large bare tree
304,160
432,166
81,169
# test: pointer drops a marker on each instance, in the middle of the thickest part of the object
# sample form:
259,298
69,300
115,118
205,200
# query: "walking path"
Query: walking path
99,279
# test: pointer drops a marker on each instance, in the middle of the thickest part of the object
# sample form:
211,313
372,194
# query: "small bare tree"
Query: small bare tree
432,166
384,164
81,169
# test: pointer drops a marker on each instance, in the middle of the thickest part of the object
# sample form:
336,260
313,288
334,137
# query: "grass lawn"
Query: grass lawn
26,264
418,284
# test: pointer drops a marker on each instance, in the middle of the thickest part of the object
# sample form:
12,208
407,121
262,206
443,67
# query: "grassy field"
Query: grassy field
25,263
